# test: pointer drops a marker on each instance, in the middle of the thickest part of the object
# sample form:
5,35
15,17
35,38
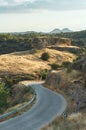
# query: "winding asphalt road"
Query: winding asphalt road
48,106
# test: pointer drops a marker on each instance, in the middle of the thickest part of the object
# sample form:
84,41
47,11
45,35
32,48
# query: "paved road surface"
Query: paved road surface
48,106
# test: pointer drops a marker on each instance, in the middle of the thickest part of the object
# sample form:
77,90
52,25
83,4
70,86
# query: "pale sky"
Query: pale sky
42,15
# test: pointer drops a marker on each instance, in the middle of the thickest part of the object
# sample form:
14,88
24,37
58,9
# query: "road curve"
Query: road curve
48,106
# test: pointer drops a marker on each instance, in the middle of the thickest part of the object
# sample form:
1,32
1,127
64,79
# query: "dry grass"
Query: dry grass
74,121
24,62
62,124
75,117
64,45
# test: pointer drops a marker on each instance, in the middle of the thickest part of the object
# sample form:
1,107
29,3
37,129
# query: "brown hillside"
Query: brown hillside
25,62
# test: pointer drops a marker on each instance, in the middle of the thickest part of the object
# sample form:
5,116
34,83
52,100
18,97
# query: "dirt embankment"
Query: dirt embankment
42,42
71,86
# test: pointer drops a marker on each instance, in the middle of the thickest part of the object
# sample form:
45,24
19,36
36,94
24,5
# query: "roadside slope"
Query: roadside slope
48,106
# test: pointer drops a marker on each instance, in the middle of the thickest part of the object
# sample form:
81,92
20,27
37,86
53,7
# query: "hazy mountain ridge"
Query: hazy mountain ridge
57,30
54,31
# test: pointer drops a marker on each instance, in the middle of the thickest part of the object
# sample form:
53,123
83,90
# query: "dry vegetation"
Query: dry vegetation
20,96
76,116
25,62
73,122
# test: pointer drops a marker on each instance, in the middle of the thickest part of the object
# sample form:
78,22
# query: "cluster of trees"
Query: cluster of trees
4,93
12,42
17,42
6,89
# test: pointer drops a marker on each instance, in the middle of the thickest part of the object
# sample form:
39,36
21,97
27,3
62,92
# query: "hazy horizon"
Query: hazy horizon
42,30
42,15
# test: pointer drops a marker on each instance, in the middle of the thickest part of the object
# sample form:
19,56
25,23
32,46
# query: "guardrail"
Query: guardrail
18,109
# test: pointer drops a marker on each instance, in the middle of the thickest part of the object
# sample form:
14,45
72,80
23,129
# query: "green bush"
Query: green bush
54,66
8,81
66,64
4,93
45,56
44,74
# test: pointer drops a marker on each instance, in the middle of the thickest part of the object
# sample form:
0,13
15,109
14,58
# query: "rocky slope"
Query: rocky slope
71,49
81,66
42,42
71,84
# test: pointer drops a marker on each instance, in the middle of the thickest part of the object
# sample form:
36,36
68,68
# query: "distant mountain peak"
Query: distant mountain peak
66,30
57,30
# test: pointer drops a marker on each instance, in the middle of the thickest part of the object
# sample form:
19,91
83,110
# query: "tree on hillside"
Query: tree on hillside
45,56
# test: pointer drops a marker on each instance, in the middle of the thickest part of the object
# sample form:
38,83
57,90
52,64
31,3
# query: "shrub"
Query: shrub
4,93
66,64
45,56
44,74
54,66
8,81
